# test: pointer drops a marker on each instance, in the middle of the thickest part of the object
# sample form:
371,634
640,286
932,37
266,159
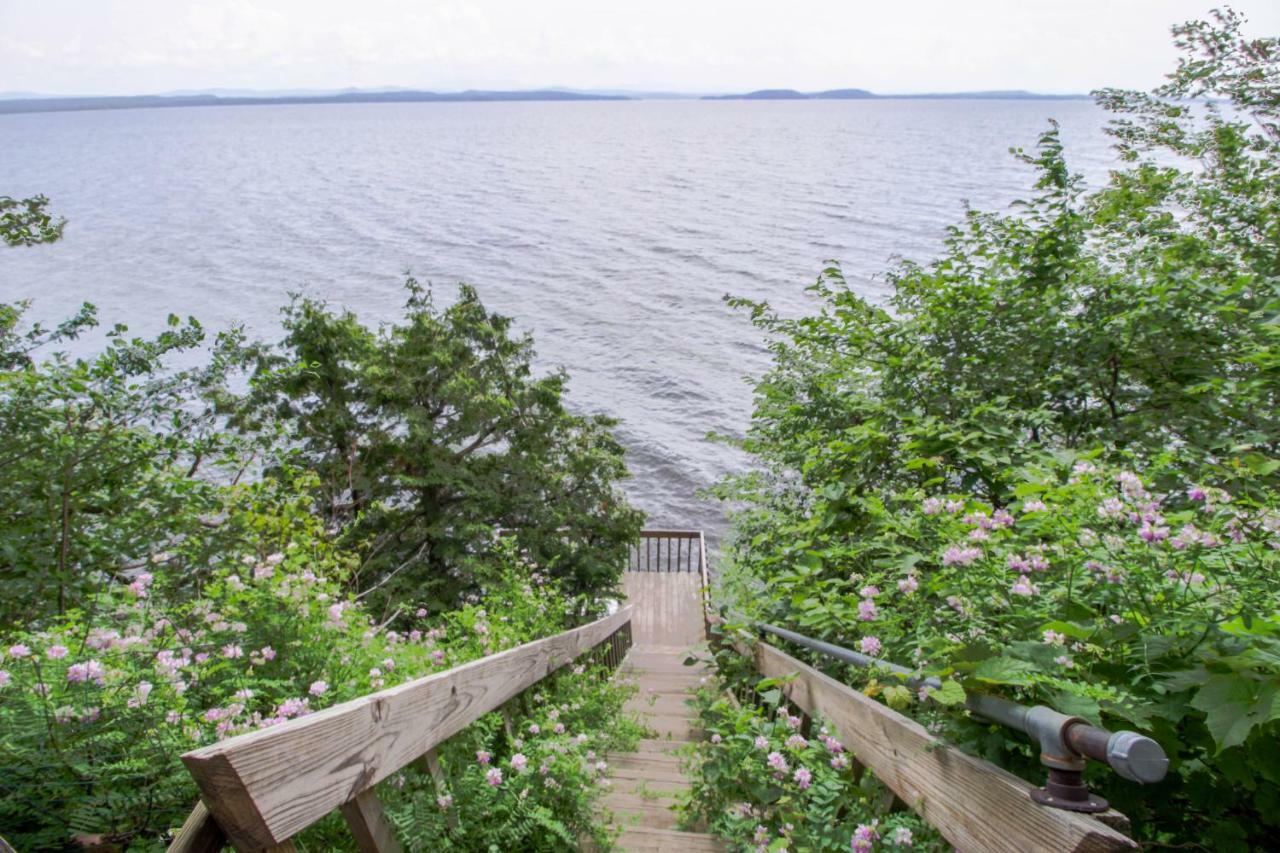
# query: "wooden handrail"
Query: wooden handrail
263,787
973,803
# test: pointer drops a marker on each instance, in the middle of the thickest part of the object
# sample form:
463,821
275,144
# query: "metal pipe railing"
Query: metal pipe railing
1065,741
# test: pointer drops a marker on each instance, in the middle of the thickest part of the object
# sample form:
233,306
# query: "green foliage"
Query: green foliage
763,785
103,465
96,709
551,767
25,222
947,480
428,434
185,562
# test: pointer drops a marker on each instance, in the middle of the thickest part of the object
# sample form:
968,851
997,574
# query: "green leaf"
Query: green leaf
898,697
1234,705
1003,670
950,693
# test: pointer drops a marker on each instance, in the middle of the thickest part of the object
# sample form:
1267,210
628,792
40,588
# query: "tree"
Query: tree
432,435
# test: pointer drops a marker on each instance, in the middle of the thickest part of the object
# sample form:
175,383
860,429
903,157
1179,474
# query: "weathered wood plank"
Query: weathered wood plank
264,786
973,803
200,833
668,607
369,825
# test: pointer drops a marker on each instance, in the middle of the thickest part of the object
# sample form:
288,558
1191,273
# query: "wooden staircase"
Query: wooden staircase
647,782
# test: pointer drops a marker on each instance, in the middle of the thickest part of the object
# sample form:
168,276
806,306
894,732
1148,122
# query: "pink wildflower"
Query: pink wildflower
493,777
318,688
870,646
87,671
5,678
18,650
1034,506
1055,638
444,802
797,742
958,556
232,651
863,838
56,652
908,585
1024,586
483,757
777,762
867,610
803,778
519,762
902,837
762,742
869,591
716,738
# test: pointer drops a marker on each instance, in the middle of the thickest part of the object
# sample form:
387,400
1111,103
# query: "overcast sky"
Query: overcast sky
147,46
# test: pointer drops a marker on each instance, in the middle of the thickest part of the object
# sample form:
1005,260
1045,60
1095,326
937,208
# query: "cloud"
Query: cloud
157,45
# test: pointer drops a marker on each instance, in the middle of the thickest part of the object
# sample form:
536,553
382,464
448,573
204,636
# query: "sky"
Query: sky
112,47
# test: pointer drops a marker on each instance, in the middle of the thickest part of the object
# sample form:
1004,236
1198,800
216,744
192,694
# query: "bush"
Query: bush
904,451
96,709
762,785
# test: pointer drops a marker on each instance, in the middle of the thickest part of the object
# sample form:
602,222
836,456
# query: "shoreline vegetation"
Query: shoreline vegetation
1047,468
39,104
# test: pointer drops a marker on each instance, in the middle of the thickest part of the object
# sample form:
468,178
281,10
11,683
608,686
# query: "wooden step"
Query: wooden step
661,746
647,839
634,809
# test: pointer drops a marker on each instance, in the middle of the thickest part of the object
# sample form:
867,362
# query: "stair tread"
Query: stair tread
644,839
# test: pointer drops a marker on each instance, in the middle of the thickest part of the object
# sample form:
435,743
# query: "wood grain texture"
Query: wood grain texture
200,833
668,607
264,786
369,825
974,804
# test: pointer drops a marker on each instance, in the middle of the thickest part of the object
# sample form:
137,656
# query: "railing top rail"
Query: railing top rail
670,534
265,786
1064,740
973,803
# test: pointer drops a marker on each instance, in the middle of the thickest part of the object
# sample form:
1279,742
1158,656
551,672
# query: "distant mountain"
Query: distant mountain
844,95
763,95
28,102
128,102
863,94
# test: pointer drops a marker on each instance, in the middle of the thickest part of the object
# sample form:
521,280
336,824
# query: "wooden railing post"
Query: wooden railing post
369,825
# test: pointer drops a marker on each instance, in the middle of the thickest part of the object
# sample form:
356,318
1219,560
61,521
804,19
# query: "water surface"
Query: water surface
610,230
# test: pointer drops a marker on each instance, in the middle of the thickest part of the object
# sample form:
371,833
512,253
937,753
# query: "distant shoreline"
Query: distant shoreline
130,102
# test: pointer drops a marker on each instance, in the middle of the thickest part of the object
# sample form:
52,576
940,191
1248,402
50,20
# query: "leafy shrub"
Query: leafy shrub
550,770
1094,592
763,785
96,709
902,451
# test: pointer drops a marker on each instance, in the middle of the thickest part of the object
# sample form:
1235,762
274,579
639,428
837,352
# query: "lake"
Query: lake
611,230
